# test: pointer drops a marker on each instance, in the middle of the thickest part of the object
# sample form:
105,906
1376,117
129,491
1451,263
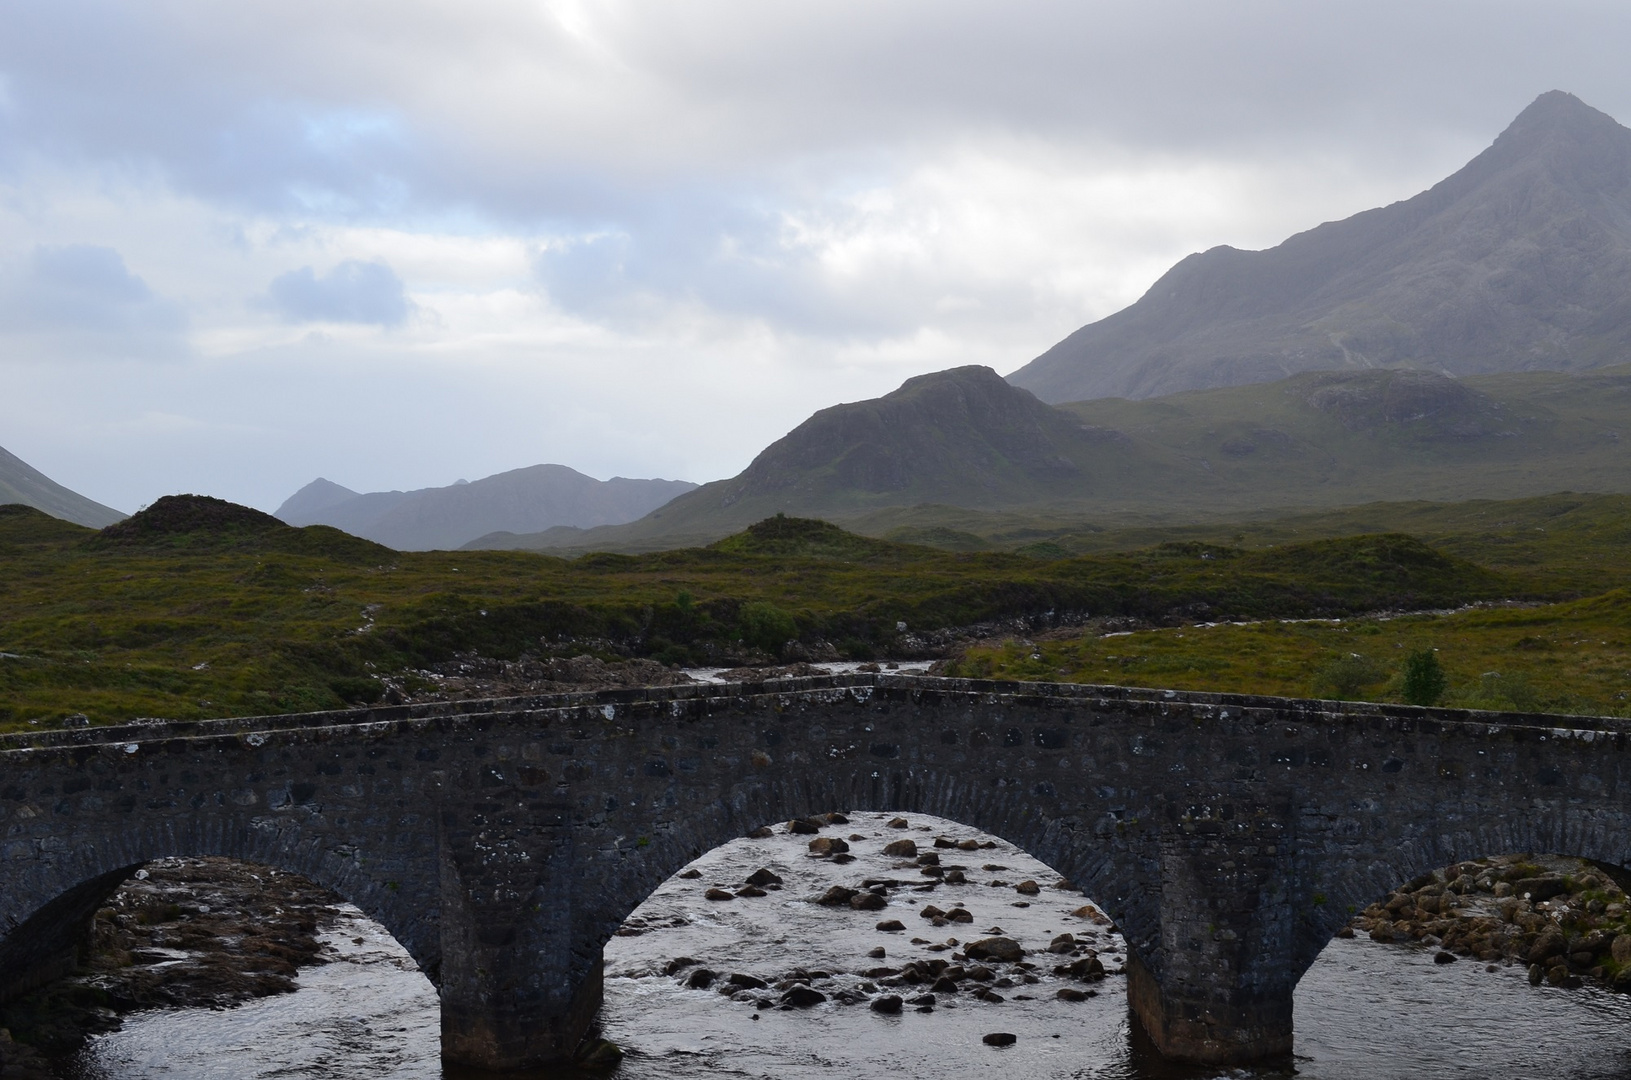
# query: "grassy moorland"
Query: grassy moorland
196,607
1569,658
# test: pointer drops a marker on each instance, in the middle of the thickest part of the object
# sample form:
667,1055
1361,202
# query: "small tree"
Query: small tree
1424,682
766,626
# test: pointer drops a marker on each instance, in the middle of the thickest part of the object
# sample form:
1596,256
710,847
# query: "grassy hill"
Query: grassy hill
196,608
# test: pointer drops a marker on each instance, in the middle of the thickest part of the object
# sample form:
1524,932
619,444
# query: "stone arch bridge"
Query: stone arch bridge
502,842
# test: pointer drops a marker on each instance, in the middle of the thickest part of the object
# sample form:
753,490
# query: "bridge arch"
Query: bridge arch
1078,855
46,912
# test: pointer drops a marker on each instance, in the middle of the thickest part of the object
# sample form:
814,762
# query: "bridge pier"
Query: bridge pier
519,987
1218,989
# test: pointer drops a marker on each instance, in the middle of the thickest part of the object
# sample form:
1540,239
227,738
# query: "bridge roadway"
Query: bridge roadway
503,842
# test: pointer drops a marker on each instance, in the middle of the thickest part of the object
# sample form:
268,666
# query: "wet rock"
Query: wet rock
929,911
1069,993
1442,957
981,973
690,875
869,901
888,1004
878,953
929,858
803,826
747,982
828,845
901,849
944,842
1064,943
751,891
803,997
835,818
763,832
990,996
837,896
1003,950
719,894
1536,974
1621,949
762,877
701,979
1028,888
679,964
898,823
891,925
1550,944
1000,1039
959,915
955,876
1539,888
1088,969
945,984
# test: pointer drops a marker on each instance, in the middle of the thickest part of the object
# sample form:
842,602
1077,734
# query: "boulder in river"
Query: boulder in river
828,845
901,849
888,1004
837,896
803,997
762,877
891,925
1000,950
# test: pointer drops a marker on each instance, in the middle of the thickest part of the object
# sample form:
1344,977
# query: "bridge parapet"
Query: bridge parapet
504,841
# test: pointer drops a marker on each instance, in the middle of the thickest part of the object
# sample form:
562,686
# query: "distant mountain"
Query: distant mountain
22,483
964,443
1520,261
522,500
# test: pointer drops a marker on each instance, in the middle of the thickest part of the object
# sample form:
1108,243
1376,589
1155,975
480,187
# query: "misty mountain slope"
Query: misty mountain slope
521,500
1519,261
21,483
950,449
964,436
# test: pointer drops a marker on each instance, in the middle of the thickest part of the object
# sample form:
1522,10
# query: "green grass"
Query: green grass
1572,657
194,608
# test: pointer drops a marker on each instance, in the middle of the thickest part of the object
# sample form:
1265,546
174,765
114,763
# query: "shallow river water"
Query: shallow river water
1363,1012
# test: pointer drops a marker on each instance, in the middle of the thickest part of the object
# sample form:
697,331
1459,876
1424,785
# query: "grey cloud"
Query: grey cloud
87,291
352,292
424,106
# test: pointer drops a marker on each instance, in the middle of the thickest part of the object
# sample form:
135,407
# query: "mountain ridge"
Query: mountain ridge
1510,263
528,499
1315,439
21,483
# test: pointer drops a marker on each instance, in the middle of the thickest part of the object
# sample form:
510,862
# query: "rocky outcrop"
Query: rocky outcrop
1565,919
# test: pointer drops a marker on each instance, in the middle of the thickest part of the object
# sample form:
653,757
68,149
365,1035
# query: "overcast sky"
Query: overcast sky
399,243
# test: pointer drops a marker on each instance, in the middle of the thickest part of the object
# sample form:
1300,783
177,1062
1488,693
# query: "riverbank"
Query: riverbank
182,933
1566,919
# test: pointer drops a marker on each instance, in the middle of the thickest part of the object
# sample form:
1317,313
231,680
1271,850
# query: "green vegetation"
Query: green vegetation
1423,682
198,608
1572,657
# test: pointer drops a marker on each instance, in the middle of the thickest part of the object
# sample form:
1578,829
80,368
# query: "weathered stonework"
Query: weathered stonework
503,842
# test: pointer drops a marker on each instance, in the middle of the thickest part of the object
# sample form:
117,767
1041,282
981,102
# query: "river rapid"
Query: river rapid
1364,1011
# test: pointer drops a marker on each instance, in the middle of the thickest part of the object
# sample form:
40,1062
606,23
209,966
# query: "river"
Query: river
1364,1011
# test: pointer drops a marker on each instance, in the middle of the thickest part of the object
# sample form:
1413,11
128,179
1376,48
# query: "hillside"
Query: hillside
1517,262
521,500
961,455
195,607
23,484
